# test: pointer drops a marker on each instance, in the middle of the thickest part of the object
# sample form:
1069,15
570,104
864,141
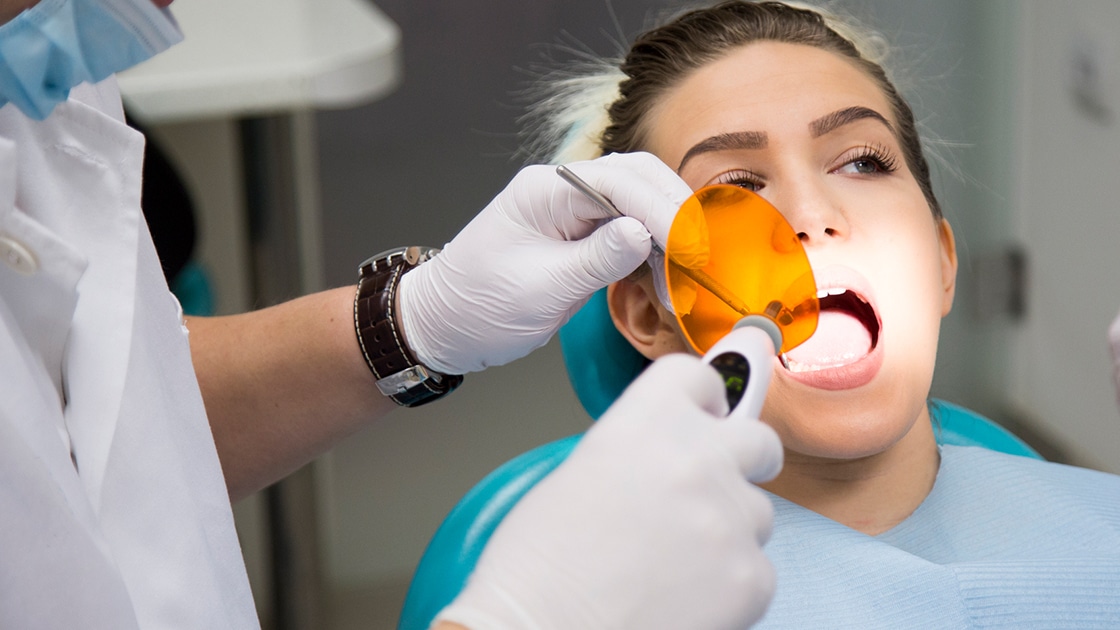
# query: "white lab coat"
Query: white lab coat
113,510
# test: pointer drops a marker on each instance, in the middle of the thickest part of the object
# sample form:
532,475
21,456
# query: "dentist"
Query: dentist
127,429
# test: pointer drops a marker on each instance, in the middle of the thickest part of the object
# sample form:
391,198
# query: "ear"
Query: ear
640,318
948,266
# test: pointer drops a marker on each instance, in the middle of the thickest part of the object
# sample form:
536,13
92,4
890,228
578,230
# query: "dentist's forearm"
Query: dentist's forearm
282,385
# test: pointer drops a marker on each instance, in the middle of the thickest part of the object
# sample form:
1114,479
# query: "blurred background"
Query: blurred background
1019,101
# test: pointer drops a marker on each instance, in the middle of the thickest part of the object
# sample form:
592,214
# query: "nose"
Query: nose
815,215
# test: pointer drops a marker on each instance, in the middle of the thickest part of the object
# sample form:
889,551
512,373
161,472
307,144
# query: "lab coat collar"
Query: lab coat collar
37,304
101,336
35,308
100,159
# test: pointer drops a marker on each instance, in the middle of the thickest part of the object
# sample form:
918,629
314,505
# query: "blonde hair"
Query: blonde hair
568,112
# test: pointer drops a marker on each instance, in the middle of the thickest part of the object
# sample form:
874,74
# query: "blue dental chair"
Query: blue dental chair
601,363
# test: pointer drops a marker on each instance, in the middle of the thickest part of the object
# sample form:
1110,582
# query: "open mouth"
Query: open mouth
847,331
845,301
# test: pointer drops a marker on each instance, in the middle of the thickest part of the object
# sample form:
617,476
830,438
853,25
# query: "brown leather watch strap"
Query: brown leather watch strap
399,375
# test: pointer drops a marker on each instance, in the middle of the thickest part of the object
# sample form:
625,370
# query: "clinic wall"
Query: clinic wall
1066,154
416,165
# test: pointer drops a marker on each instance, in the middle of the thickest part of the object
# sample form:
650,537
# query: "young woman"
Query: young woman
876,525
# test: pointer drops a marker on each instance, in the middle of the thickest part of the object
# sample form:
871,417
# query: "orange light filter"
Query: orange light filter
731,254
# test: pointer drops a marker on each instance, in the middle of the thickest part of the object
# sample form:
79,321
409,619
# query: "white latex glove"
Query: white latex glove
505,284
650,522
1114,345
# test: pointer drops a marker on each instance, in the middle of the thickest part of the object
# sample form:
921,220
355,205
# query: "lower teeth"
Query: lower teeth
796,367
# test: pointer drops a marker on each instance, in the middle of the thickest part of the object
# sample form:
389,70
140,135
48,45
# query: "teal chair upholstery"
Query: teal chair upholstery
456,545
600,365
192,287
959,426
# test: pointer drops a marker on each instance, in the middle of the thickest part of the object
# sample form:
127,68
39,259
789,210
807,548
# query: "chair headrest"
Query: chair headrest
600,362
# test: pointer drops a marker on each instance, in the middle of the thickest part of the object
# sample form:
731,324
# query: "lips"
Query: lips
846,350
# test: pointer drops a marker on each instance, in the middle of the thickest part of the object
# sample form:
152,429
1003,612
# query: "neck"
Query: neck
870,494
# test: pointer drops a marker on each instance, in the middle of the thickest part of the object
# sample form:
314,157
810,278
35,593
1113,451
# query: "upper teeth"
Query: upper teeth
823,293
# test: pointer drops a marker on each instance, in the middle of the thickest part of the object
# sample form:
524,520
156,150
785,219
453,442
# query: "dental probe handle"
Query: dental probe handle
744,358
697,275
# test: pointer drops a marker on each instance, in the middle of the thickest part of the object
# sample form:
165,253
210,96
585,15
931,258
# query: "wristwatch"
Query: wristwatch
399,374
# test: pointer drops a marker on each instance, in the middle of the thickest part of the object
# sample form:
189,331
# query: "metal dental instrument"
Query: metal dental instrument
697,275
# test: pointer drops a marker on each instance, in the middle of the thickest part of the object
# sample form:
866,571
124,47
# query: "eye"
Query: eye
861,167
742,178
868,160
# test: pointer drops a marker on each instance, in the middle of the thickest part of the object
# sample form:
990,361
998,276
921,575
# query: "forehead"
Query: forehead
764,86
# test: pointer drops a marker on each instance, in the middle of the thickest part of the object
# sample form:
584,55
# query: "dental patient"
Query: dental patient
877,526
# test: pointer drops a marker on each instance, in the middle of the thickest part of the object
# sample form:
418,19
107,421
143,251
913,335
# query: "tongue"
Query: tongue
840,339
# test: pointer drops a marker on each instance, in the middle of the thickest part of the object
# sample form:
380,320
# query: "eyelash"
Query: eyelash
743,178
879,155
883,159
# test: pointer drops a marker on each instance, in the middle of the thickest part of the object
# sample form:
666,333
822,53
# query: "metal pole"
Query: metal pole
285,253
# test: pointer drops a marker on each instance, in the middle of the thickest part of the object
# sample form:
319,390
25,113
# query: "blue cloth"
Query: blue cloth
1001,542
453,551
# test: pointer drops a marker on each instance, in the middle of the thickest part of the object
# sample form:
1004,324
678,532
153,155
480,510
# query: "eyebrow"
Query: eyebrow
759,139
848,115
727,142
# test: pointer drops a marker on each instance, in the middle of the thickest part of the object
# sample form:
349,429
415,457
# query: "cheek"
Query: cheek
676,342
903,256
913,270
911,303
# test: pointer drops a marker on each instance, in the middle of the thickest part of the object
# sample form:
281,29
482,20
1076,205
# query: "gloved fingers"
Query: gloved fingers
753,445
661,286
639,185
764,580
613,251
756,511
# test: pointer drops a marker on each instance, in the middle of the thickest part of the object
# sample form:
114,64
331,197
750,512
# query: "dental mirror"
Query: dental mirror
731,255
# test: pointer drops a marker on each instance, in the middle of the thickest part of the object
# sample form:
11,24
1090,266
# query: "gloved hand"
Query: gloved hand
649,523
505,284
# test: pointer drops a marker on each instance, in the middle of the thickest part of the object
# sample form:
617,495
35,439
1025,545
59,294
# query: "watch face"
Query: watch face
419,254
414,254
384,254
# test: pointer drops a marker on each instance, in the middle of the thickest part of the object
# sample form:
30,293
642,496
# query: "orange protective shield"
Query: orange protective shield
731,254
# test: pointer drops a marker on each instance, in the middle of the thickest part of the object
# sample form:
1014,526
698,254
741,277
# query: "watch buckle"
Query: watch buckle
405,380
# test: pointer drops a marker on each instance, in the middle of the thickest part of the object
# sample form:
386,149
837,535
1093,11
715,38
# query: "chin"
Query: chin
842,424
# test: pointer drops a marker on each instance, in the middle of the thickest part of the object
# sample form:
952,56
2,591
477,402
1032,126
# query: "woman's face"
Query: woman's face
814,136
